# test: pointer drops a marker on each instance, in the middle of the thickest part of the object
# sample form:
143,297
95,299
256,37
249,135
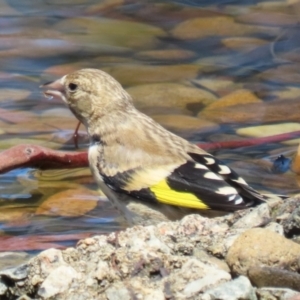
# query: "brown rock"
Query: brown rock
13,94
295,165
235,98
166,55
218,85
288,74
268,18
214,26
116,35
275,111
169,95
185,124
274,277
130,74
262,247
243,43
69,203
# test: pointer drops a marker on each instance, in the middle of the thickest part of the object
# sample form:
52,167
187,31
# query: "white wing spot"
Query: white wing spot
224,170
209,160
240,180
200,166
232,197
238,201
211,175
227,190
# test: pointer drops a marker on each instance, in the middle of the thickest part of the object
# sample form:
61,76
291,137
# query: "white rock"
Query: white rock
57,282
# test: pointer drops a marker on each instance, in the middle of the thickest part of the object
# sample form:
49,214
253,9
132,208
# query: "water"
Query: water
217,47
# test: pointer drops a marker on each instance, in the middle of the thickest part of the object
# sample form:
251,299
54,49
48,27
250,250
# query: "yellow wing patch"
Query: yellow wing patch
165,194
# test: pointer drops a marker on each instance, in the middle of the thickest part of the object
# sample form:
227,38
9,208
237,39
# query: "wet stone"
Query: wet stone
215,26
268,18
217,84
243,43
238,97
284,74
275,111
69,203
286,93
170,95
116,35
143,74
185,125
166,55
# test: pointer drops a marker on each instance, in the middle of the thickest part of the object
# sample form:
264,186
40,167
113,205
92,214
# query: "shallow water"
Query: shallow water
188,54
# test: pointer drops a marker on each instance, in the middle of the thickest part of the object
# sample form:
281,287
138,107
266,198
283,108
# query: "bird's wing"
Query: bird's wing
201,183
211,182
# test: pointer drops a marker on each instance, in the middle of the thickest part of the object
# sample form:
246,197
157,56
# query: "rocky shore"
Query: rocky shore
250,254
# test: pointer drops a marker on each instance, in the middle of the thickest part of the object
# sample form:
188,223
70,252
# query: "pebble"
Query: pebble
69,203
7,95
268,18
196,276
118,292
270,293
238,97
243,43
173,55
275,277
217,85
117,36
185,125
143,74
262,247
198,28
283,74
180,260
288,216
288,92
170,95
259,216
57,281
237,289
295,165
275,111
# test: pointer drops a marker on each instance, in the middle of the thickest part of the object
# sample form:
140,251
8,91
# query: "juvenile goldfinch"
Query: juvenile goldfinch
131,154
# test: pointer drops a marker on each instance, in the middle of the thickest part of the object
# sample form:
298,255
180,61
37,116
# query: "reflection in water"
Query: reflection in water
203,69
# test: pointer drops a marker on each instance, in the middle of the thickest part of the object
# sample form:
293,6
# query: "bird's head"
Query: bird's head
89,93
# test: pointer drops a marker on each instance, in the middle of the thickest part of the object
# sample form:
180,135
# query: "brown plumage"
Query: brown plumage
132,154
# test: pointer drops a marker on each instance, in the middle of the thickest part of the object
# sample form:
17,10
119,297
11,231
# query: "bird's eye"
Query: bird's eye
72,87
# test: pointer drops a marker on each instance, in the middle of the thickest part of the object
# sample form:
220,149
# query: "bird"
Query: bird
132,155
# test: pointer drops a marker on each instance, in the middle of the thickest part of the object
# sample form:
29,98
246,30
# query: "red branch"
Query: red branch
250,142
33,156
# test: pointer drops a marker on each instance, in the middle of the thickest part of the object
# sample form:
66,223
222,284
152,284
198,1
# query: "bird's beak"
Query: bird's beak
54,89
